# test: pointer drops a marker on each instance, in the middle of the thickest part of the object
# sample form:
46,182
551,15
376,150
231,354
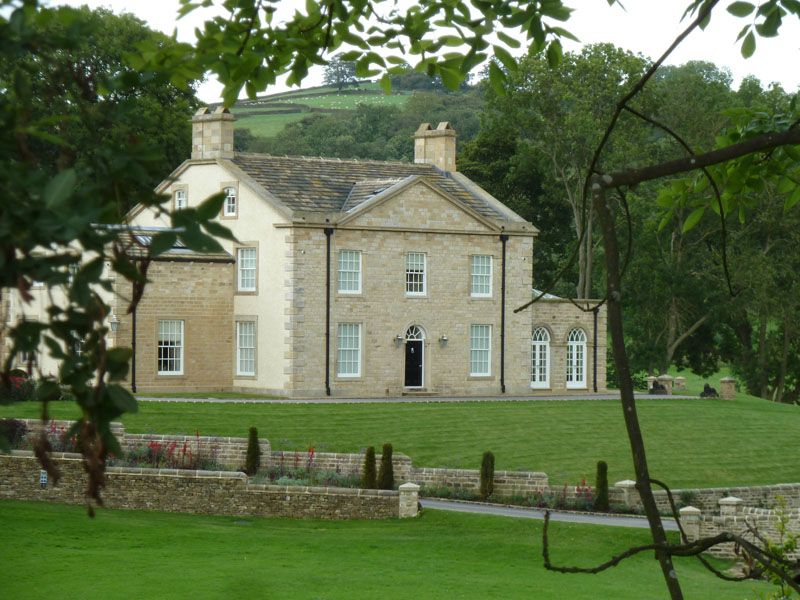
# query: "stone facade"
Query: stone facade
266,315
196,291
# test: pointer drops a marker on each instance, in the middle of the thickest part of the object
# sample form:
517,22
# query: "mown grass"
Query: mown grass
271,125
268,125
690,442
56,551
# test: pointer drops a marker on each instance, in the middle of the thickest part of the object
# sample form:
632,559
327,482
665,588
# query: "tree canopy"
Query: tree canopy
247,49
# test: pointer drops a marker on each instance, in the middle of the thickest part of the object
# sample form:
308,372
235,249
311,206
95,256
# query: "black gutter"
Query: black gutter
594,361
503,239
133,347
328,234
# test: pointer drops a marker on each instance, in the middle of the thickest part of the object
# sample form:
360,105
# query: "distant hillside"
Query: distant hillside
268,115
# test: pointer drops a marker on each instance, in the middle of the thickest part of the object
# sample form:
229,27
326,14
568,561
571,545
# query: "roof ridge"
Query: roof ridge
329,159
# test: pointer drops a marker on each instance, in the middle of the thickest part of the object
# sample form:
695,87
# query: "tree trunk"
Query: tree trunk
787,338
762,356
614,292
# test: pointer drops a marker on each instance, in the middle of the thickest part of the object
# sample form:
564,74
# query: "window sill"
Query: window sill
246,293
160,374
250,377
481,298
480,378
415,296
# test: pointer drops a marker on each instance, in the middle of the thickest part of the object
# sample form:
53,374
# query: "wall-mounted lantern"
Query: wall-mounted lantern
398,341
443,340
43,478
114,322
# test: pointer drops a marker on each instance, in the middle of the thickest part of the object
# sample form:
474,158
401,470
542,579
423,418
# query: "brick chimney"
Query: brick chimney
436,146
212,133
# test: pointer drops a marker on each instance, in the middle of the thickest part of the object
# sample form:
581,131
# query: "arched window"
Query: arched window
230,202
415,333
576,359
540,358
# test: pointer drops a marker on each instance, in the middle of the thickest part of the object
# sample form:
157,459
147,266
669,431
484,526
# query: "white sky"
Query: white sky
647,27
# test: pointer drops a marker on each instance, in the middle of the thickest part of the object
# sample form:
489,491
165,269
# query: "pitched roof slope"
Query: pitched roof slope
335,185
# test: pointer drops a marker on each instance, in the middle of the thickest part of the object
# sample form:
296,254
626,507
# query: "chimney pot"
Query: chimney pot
212,133
436,146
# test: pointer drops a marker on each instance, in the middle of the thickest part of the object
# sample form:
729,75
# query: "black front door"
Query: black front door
414,363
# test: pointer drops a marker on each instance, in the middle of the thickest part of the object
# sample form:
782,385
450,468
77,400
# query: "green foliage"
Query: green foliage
368,475
84,137
601,487
487,475
253,458
380,132
340,73
386,470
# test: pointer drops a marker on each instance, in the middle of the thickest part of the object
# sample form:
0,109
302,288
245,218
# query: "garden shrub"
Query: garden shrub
601,487
386,472
688,498
253,458
368,477
21,389
14,431
487,475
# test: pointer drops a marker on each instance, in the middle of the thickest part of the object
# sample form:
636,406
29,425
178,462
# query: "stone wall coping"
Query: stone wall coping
625,483
730,501
690,511
409,487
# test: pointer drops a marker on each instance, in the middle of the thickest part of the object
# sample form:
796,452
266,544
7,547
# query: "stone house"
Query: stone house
351,278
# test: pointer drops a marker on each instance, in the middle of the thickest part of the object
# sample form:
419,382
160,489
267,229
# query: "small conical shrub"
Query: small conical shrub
386,472
487,475
253,459
368,478
601,489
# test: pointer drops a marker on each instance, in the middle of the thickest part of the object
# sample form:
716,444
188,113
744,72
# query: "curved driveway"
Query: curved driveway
535,513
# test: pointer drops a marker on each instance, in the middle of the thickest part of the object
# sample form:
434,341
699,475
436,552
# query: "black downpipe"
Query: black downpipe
594,365
133,347
328,234
503,239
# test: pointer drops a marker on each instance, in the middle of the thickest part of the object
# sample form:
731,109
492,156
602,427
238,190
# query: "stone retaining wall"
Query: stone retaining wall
707,499
199,492
232,452
741,522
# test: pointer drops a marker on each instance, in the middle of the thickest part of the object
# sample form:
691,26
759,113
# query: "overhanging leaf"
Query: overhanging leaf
694,218
59,188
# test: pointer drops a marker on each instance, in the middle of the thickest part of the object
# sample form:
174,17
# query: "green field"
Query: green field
56,551
690,442
269,125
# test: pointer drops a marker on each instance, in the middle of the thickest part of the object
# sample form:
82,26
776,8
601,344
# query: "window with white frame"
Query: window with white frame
415,273
348,348
229,209
245,348
27,358
170,347
576,358
540,358
180,199
480,283
480,338
246,269
349,272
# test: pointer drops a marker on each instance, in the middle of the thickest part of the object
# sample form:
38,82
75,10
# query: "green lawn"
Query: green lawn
268,125
690,443
56,551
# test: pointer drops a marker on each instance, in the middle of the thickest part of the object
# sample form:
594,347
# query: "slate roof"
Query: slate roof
335,185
